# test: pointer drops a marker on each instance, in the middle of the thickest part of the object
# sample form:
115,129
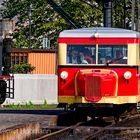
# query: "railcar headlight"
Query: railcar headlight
96,35
127,75
64,75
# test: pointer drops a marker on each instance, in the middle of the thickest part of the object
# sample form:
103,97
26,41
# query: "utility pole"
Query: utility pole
1,37
1,44
135,15
107,8
124,7
138,26
30,30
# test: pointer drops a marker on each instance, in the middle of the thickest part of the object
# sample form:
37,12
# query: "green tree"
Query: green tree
122,13
46,22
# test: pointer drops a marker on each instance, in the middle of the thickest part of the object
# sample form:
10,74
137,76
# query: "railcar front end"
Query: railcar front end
99,67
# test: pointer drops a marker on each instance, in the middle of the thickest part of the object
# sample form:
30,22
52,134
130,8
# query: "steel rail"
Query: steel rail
59,132
94,135
112,126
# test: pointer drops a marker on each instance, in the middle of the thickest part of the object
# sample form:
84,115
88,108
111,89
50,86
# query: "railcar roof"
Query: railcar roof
101,31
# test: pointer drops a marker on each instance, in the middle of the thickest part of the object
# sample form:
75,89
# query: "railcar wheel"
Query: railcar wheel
3,87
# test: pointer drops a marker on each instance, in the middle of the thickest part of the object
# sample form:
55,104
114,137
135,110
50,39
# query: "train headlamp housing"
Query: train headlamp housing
96,35
64,75
127,75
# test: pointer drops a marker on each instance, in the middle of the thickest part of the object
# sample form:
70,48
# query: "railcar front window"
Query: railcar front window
81,54
114,54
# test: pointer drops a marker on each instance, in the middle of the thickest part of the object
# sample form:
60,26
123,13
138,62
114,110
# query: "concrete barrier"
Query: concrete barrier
35,88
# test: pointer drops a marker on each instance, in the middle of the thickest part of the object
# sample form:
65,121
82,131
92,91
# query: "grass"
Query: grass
30,105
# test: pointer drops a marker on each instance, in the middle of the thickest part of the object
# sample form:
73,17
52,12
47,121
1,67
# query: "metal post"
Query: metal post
133,15
107,7
138,2
124,15
30,30
1,44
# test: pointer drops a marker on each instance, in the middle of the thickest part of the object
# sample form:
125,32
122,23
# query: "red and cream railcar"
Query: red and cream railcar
99,66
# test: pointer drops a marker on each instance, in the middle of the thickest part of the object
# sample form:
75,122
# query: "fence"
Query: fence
35,88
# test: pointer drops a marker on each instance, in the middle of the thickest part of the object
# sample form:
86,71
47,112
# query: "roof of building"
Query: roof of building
100,32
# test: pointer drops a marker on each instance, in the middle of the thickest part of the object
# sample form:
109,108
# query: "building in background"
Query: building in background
43,60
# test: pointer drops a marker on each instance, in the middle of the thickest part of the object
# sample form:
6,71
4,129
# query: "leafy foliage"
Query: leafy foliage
122,14
22,68
45,22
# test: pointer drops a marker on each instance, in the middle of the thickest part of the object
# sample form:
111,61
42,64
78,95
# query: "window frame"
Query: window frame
97,48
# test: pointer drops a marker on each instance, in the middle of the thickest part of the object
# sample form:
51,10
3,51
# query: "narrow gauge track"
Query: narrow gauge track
124,130
74,132
60,134
110,132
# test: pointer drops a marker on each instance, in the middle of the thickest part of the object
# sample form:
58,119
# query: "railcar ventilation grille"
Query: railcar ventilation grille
92,88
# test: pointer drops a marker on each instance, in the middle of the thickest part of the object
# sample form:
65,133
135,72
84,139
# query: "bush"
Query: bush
22,68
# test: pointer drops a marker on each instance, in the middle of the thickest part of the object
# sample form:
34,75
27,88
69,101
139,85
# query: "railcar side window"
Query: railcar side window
115,54
81,54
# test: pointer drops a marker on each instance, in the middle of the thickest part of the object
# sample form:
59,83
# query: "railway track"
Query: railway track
126,129
112,131
60,134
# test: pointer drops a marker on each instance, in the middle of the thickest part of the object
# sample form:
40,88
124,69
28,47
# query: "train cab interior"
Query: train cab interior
101,54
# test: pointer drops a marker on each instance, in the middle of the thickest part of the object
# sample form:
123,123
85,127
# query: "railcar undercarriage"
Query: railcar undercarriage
100,110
